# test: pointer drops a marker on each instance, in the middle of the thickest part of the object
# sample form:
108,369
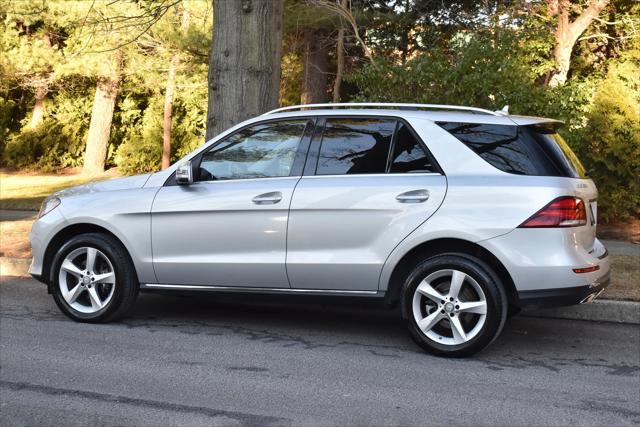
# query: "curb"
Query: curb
598,311
14,266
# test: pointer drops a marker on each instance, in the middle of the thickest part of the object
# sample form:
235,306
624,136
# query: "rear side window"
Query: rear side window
523,150
408,154
355,146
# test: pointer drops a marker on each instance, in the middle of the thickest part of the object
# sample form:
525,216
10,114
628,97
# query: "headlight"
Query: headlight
48,205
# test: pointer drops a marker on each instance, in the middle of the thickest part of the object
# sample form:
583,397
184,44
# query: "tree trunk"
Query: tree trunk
337,83
315,64
38,108
41,90
104,103
567,34
244,69
168,97
168,111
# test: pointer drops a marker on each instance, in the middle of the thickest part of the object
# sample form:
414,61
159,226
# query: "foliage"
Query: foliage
82,37
612,138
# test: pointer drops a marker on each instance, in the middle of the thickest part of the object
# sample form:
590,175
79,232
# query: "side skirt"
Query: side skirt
211,288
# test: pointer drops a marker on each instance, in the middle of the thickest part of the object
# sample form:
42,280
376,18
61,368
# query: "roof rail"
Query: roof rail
383,105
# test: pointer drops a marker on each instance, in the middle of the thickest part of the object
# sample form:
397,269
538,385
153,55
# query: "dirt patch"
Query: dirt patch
625,278
14,239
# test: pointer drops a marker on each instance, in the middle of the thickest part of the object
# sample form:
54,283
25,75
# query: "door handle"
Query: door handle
415,196
267,198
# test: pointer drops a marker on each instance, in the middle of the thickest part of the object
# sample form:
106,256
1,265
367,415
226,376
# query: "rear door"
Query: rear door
368,183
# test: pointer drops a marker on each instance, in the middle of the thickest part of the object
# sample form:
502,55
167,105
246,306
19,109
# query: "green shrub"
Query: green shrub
58,142
141,150
612,141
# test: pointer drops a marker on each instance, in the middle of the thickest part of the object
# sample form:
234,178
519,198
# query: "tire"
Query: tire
105,298
448,324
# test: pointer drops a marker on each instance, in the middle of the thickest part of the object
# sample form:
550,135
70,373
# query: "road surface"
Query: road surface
213,360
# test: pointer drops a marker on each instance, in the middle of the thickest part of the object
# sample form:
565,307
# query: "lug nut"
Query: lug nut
442,311
457,307
451,314
451,298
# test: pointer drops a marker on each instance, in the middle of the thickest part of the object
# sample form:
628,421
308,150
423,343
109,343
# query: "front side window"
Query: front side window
265,150
355,146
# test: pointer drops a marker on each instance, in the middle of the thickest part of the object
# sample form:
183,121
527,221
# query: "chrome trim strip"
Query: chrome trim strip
264,290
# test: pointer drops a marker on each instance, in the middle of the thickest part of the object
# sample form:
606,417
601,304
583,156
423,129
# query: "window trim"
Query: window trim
300,155
316,143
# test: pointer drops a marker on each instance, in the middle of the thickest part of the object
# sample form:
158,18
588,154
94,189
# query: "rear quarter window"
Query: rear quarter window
535,150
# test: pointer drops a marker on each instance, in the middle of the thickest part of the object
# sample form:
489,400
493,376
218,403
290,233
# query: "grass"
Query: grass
27,191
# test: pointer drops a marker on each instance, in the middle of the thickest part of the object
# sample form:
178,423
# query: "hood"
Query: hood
127,183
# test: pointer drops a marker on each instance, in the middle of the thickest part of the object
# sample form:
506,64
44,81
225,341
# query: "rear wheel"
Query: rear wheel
454,305
93,279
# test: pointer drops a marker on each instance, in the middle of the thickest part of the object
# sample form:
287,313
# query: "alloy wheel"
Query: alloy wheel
87,280
449,307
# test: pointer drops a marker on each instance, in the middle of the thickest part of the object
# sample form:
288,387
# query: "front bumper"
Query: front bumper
557,297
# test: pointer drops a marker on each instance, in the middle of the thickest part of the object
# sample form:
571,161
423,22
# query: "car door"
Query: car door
229,227
368,183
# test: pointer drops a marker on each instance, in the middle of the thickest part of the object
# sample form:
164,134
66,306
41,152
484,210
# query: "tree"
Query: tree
315,66
567,33
101,116
337,83
244,69
168,99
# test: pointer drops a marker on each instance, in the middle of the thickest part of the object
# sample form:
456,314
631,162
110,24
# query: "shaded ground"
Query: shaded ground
221,361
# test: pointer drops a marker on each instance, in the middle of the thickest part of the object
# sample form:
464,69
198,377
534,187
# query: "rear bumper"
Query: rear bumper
542,263
557,297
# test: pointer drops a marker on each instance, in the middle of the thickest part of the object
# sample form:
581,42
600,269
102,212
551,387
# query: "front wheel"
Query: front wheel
454,305
93,279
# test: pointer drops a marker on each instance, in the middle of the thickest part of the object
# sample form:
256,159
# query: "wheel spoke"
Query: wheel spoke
70,267
459,335
427,290
73,294
104,278
477,307
457,278
91,259
96,303
430,321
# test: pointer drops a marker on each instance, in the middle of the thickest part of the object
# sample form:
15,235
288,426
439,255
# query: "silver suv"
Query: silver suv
461,215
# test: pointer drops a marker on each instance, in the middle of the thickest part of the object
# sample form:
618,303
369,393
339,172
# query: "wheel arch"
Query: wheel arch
448,245
67,233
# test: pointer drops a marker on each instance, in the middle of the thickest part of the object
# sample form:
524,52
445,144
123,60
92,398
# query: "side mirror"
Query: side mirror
184,174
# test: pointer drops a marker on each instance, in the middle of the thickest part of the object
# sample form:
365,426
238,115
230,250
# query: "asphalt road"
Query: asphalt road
234,361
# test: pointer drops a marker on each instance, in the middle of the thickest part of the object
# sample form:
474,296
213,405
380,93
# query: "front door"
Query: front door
372,183
229,227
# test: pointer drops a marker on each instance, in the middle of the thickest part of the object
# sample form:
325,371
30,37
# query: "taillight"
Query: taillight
562,212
